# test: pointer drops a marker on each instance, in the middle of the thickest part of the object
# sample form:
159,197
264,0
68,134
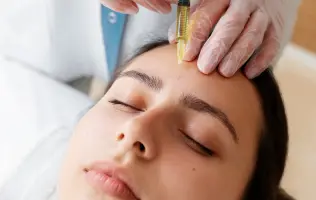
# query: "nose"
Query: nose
137,139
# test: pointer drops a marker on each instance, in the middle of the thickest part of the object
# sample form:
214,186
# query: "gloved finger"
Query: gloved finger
225,33
161,6
123,6
202,22
172,33
268,51
250,39
146,5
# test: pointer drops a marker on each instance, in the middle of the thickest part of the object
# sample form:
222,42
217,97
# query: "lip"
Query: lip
111,180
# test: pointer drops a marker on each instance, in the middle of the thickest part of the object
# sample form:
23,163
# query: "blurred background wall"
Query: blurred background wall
305,29
296,72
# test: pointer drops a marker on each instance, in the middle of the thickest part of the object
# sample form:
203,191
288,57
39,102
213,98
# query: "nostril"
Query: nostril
141,147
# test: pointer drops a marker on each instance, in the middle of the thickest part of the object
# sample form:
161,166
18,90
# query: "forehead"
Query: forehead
236,96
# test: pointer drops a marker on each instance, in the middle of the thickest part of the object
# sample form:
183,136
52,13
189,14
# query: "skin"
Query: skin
171,166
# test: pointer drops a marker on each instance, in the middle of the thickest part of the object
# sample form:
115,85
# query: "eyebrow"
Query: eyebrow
155,83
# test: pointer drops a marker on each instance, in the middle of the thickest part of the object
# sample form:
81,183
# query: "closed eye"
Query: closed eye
126,105
196,146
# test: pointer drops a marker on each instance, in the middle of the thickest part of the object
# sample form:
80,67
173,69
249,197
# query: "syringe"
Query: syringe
182,31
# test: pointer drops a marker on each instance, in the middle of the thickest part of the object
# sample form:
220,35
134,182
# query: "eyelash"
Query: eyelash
201,149
117,102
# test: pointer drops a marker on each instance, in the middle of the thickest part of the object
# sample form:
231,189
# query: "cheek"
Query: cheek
201,181
94,136
201,178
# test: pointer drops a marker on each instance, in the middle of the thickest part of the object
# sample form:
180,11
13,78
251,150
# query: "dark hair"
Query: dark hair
273,144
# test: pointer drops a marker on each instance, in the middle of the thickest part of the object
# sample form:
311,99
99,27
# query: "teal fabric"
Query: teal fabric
113,24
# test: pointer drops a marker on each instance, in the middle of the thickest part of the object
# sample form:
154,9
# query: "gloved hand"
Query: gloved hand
243,27
130,6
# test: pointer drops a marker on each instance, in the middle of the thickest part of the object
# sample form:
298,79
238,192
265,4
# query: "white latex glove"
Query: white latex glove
243,27
130,6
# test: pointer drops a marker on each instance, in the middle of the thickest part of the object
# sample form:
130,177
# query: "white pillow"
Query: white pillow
37,177
32,107
61,38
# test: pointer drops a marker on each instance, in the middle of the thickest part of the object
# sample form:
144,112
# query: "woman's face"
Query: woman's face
165,131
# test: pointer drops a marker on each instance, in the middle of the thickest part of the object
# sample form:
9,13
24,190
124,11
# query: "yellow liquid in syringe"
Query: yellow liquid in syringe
182,30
